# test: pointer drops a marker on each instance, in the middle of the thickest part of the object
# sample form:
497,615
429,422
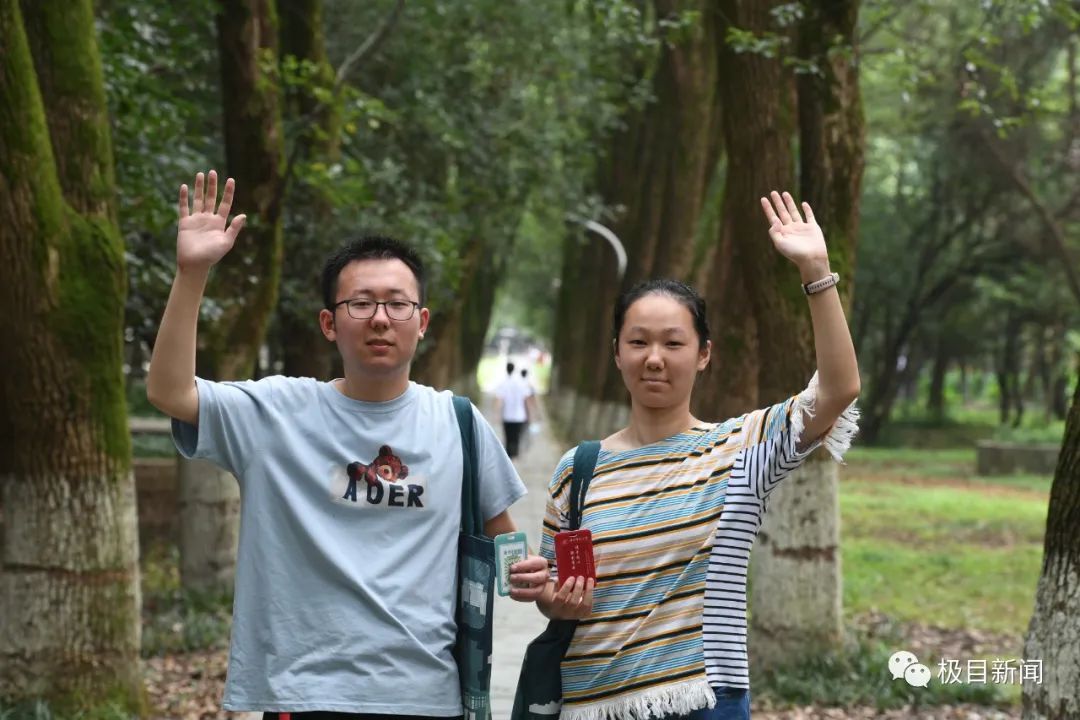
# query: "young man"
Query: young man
514,405
346,570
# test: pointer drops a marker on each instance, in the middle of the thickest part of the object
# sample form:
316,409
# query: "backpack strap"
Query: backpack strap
584,465
472,522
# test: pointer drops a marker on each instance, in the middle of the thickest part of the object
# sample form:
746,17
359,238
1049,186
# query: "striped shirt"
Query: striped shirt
672,526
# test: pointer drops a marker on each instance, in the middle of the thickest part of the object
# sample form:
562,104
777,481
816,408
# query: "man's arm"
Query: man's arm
170,383
202,239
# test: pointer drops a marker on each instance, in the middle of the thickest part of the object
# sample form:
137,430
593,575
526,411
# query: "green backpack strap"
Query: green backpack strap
584,465
471,517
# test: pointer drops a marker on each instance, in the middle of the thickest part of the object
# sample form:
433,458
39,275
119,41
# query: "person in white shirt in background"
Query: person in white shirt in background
514,402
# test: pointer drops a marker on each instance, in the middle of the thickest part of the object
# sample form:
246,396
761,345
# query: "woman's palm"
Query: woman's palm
796,239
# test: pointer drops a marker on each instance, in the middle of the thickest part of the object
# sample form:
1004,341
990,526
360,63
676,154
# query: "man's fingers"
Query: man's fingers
183,202
211,192
792,208
529,579
235,227
197,202
226,198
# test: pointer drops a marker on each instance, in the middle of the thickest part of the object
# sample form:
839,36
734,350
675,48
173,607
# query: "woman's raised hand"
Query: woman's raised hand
800,241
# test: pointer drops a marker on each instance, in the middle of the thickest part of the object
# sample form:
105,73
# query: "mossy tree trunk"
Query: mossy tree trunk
69,630
243,288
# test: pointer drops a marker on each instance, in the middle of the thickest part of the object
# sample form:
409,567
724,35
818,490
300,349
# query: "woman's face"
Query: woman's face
658,351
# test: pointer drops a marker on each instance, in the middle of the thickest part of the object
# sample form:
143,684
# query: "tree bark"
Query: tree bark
1053,634
305,351
243,289
69,631
799,546
657,175
935,401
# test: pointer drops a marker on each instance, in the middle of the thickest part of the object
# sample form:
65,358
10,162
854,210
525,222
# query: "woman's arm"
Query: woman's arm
803,243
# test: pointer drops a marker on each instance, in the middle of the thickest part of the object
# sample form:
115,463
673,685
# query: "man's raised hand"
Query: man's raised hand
204,234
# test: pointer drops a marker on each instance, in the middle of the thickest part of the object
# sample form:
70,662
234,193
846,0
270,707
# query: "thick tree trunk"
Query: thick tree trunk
800,543
244,285
658,171
245,282
69,630
305,352
1053,634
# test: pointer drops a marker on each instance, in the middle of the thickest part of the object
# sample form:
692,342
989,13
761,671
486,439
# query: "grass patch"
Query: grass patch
956,586
859,675
178,620
925,540
956,464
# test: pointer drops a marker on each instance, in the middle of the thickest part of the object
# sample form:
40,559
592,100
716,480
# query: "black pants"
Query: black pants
513,437
323,715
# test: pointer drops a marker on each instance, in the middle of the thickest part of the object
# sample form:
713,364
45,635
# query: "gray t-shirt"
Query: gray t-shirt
350,512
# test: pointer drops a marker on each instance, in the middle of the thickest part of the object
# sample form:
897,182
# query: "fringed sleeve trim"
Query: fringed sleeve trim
838,439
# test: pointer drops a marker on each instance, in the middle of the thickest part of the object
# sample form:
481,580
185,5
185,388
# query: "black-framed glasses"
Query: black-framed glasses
364,309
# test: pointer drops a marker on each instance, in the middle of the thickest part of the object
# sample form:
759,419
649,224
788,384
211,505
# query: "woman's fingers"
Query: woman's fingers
781,211
808,212
770,214
564,592
183,202
792,208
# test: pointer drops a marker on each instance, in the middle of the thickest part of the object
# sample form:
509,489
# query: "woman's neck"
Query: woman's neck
649,425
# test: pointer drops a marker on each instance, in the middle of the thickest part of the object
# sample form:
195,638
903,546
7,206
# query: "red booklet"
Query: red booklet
574,555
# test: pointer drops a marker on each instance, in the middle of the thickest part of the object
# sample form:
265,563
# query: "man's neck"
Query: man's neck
373,388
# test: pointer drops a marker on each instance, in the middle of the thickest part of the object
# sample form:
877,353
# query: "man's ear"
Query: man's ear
425,318
326,324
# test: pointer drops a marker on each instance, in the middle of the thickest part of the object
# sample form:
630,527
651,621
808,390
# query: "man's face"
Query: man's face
377,345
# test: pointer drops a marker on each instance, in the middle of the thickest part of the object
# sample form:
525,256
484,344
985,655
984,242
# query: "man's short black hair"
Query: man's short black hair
369,247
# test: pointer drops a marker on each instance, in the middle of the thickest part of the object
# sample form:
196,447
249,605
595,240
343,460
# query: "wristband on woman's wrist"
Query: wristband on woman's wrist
830,280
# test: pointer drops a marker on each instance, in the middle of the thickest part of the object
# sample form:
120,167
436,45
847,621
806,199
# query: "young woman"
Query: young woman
675,503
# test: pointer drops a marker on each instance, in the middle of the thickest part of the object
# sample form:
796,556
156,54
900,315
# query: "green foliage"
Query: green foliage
161,79
175,619
953,250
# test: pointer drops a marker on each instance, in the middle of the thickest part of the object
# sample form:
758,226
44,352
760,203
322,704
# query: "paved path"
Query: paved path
517,623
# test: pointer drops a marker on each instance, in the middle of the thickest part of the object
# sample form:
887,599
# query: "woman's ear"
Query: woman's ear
615,350
704,355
